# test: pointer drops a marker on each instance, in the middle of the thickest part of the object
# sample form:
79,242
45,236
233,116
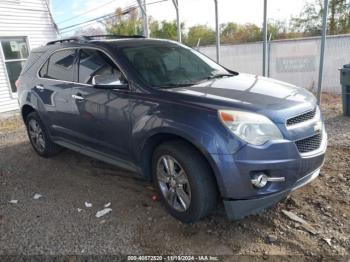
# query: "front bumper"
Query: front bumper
238,209
279,159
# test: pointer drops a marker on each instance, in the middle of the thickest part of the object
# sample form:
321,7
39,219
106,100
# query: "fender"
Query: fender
201,131
149,125
30,98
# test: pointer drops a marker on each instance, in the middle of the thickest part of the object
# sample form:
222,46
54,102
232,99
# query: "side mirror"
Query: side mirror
108,82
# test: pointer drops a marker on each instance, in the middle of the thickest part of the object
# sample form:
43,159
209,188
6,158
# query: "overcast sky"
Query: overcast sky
192,11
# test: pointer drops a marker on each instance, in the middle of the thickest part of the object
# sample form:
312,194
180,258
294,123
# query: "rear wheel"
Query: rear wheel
184,181
39,138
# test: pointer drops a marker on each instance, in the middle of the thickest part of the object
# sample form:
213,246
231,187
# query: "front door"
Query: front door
101,116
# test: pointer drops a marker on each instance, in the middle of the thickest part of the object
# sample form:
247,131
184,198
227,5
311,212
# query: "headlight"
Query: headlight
253,128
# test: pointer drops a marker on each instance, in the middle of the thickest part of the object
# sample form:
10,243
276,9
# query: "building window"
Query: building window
15,51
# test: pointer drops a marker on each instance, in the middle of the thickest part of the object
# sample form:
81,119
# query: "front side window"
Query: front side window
59,66
94,63
162,65
15,52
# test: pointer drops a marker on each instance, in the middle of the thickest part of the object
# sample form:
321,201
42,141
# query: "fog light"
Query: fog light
260,180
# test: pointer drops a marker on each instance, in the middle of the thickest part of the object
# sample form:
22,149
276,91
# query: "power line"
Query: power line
85,25
126,10
90,10
110,15
98,19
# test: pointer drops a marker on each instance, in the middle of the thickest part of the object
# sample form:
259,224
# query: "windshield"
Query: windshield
164,66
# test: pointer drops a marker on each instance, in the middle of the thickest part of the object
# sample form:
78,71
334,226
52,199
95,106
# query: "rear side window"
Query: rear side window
43,70
94,62
59,66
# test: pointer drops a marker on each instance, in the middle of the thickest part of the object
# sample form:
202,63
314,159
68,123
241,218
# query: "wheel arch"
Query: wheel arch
26,110
155,140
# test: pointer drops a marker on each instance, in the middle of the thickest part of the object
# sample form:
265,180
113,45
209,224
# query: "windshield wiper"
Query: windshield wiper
174,85
219,75
215,76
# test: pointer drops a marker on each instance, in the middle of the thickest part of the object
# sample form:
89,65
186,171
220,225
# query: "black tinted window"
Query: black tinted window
94,62
60,66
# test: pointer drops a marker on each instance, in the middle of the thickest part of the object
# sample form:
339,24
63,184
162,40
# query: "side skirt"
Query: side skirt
98,155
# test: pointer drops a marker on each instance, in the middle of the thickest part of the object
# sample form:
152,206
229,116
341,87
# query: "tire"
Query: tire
200,187
39,137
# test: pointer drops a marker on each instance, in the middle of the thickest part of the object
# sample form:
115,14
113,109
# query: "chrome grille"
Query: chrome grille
301,118
309,144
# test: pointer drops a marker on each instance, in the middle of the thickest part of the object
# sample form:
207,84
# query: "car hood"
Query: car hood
276,99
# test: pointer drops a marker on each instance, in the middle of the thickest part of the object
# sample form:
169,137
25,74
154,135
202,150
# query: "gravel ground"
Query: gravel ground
59,223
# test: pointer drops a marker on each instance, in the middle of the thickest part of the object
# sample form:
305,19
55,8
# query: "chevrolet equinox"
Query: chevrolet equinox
201,132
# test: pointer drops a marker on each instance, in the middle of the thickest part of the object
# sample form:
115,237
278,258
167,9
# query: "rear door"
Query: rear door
101,117
56,80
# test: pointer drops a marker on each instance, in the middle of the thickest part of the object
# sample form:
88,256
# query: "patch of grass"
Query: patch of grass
10,124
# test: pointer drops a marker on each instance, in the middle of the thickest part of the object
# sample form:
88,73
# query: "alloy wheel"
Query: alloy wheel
173,183
36,135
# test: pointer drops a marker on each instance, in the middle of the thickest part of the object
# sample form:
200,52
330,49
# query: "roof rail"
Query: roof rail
71,39
92,37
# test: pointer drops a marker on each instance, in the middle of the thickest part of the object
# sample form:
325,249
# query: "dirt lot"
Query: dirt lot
138,225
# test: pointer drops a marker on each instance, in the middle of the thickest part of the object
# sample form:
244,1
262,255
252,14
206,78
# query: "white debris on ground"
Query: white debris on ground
37,196
103,212
108,204
328,241
79,210
87,204
13,201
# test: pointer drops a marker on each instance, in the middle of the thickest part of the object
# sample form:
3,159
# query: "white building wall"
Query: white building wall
22,18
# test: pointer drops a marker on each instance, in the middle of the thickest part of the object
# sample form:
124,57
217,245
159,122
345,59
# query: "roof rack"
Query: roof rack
71,39
92,37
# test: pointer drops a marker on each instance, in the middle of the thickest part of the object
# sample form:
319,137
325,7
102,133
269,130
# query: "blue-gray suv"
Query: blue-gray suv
201,132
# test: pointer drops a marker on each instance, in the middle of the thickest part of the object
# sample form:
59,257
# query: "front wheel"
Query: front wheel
184,180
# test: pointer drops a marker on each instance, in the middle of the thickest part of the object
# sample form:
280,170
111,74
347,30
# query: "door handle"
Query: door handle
78,97
39,87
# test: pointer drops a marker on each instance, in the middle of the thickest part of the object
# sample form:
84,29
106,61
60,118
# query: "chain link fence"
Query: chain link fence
294,61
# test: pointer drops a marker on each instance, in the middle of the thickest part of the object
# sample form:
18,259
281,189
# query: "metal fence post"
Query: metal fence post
323,44
264,38
217,30
142,5
269,56
176,5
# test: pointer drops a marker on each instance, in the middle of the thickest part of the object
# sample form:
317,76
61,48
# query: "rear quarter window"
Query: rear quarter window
59,66
34,57
43,70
